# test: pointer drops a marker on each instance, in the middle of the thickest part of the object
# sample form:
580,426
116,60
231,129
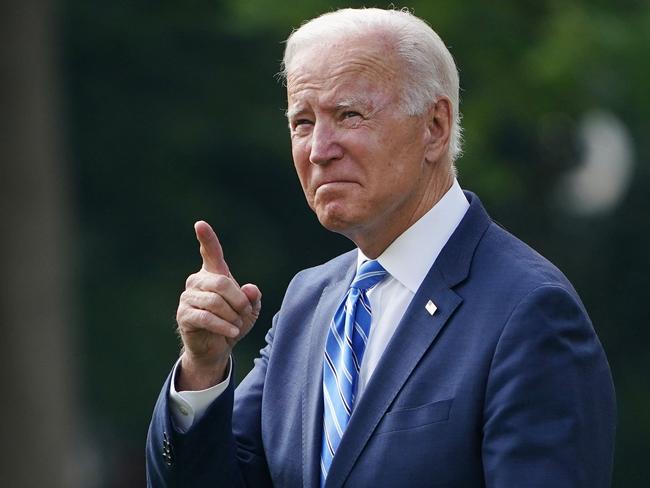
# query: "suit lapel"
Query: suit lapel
413,337
312,391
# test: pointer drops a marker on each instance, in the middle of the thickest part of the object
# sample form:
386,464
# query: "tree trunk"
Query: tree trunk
39,413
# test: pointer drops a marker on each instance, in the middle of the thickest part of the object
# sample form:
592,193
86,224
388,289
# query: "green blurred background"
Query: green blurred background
154,114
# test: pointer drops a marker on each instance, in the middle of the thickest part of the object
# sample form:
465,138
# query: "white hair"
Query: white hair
430,71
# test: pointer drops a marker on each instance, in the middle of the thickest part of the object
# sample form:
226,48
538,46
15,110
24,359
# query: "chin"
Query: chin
337,221
331,223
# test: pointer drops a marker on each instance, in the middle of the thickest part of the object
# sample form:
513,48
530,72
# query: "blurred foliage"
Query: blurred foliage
174,114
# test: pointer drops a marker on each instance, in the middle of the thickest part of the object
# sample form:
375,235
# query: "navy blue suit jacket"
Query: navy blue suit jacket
505,385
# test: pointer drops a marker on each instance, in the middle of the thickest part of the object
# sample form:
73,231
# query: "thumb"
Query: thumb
211,252
254,296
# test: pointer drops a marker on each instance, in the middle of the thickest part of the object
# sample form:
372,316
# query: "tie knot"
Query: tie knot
369,274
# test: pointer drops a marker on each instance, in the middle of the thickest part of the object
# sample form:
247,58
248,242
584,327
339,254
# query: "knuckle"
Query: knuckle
191,280
185,295
182,320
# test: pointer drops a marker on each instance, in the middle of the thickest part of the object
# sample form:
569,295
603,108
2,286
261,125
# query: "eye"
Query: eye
351,114
302,122
301,125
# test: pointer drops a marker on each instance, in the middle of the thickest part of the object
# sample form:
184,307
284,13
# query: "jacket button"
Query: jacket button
167,451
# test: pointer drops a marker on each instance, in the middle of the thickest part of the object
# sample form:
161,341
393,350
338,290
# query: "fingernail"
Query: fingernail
234,332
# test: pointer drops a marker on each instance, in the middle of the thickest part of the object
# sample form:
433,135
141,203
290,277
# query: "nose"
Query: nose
325,146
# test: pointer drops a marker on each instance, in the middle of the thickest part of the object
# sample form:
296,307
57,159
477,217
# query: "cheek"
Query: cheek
300,152
303,168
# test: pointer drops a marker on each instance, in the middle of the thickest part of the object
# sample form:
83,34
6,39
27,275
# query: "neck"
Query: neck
375,241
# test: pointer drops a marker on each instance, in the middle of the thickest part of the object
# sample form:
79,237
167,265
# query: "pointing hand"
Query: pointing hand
214,313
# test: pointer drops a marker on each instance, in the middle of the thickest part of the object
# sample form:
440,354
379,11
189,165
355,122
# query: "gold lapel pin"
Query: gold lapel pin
431,307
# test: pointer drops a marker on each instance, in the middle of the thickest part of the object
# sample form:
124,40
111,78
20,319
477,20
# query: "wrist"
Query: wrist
194,374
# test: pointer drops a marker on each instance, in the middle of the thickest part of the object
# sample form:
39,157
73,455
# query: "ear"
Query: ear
439,119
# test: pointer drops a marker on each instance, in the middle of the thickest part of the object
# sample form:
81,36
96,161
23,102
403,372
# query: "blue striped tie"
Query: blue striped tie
346,343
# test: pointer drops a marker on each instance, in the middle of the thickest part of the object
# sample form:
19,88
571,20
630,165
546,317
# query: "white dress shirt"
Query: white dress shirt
407,260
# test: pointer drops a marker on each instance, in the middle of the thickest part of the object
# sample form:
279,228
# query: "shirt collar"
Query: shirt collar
410,256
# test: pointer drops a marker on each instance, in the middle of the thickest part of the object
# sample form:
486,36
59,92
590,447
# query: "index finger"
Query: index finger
211,252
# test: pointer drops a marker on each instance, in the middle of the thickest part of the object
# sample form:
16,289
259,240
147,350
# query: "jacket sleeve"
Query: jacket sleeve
549,415
214,452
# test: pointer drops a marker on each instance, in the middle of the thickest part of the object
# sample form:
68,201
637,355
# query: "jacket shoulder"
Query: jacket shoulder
511,257
326,273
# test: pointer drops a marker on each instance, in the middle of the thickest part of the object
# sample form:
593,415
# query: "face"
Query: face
361,161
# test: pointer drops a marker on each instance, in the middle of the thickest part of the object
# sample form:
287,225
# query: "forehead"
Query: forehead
356,66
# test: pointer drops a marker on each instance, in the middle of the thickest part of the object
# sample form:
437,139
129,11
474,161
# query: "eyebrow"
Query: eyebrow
343,104
292,112
351,102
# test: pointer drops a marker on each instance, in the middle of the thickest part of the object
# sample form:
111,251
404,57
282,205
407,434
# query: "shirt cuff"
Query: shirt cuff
187,407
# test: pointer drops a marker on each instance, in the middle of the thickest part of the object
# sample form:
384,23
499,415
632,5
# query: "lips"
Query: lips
332,182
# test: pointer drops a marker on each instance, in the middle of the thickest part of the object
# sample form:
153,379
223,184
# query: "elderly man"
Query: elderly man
441,352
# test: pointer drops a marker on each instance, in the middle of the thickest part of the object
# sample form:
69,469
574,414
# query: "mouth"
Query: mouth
333,184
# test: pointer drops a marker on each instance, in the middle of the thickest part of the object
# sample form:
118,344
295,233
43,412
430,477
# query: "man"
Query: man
442,352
